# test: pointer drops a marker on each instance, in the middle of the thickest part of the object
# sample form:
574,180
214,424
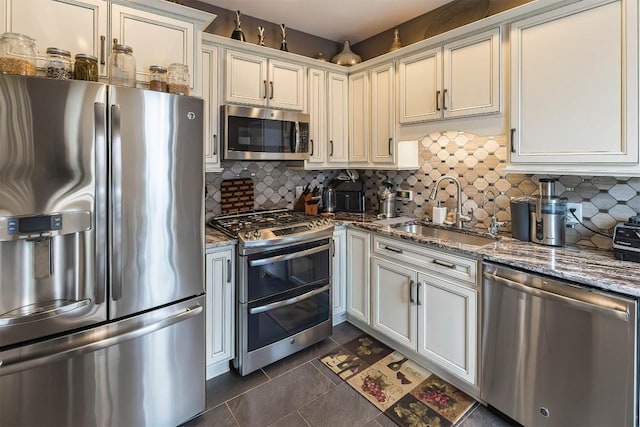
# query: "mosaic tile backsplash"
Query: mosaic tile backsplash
477,161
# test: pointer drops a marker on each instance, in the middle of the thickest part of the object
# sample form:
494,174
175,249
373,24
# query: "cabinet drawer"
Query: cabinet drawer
453,266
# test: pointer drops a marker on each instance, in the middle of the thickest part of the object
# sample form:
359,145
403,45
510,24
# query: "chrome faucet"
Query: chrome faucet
460,219
494,227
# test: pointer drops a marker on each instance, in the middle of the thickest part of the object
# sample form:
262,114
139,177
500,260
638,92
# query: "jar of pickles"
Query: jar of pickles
85,68
58,64
178,79
122,66
18,54
158,78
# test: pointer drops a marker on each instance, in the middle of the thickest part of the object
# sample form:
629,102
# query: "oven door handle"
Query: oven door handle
289,301
286,257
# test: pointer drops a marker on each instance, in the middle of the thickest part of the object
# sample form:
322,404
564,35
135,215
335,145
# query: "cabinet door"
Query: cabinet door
383,113
574,89
286,85
317,110
220,305
339,272
246,79
358,291
472,75
420,86
79,26
337,116
393,301
154,38
359,118
447,319
209,87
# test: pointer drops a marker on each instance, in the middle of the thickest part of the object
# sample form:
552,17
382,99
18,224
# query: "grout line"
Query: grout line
303,418
266,375
232,414
323,374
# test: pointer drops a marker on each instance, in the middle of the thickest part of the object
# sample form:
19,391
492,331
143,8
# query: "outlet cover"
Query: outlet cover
571,220
404,195
299,189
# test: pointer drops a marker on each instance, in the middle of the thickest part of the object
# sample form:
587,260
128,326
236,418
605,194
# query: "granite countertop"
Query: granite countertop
591,267
214,238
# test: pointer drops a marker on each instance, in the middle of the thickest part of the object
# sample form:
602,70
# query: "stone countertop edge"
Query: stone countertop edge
596,268
214,238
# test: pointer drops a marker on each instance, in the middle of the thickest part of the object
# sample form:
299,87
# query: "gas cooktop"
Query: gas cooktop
258,228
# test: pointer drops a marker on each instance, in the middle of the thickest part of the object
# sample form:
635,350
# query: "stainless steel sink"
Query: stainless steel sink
448,235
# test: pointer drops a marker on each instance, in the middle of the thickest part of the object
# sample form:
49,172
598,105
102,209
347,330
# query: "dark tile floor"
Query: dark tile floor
300,391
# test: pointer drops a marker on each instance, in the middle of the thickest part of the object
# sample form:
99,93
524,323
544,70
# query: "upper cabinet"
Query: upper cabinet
255,80
461,78
359,107
210,90
337,118
160,33
79,26
574,89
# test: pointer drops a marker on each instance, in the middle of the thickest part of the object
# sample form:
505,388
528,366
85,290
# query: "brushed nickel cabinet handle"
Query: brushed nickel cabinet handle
444,99
444,264
215,145
411,300
437,100
331,145
418,293
265,89
392,249
271,84
228,270
103,40
311,141
390,147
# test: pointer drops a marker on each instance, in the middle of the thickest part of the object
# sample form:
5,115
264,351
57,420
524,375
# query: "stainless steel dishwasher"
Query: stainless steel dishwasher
557,354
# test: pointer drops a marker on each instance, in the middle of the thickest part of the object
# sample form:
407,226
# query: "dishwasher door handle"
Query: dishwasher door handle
572,301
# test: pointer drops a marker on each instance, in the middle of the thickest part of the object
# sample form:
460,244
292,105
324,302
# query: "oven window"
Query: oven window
260,135
276,272
272,325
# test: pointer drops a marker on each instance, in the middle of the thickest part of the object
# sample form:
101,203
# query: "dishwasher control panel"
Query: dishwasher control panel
626,242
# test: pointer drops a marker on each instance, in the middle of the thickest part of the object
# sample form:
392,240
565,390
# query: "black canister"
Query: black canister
520,218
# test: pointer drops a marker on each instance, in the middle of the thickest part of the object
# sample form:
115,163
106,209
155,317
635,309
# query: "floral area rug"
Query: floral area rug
407,393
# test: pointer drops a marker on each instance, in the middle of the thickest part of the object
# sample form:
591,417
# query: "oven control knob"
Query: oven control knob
256,234
247,235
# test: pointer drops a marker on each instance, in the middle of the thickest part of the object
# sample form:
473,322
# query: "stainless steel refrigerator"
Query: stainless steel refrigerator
101,255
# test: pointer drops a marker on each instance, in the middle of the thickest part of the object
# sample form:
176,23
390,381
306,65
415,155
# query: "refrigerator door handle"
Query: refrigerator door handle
116,204
100,225
71,348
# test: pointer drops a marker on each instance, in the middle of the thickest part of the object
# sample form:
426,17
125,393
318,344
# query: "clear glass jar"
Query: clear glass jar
158,78
122,66
85,68
18,54
58,64
178,79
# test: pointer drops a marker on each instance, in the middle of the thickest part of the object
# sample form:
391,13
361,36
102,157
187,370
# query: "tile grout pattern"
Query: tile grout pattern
300,391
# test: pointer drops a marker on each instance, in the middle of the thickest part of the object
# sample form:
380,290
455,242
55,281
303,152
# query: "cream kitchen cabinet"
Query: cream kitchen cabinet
77,26
255,80
574,90
339,290
358,285
317,110
338,118
359,108
210,89
220,309
427,301
462,78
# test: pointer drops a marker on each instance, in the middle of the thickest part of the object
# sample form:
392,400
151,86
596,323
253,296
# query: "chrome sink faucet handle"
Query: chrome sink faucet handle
495,225
460,219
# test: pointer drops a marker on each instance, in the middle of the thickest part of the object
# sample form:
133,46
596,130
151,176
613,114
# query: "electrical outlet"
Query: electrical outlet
571,219
299,189
404,195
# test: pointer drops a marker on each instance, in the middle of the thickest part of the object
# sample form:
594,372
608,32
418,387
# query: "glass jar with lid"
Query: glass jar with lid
58,64
18,54
122,66
85,68
178,79
158,78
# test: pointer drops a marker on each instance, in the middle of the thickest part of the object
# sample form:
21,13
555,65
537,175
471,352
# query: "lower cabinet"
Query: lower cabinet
339,276
220,309
358,286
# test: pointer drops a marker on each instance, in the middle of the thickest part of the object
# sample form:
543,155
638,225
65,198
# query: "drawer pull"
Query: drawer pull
392,249
444,264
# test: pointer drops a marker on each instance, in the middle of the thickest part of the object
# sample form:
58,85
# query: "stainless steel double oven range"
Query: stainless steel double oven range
284,283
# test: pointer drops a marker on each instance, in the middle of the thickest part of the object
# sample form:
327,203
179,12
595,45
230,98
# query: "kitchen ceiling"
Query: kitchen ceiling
337,20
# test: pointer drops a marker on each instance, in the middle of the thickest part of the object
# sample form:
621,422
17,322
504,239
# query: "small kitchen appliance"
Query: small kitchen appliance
387,200
521,208
626,240
349,196
329,199
548,221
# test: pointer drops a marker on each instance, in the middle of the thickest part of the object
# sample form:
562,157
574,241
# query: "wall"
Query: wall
297,41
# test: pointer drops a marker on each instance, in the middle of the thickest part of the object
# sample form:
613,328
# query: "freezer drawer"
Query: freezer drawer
555,354
147,370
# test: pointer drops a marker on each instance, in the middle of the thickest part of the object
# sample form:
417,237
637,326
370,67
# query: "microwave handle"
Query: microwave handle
296,139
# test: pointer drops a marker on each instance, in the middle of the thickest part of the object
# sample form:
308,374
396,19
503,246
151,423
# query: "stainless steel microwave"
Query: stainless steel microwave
264,134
